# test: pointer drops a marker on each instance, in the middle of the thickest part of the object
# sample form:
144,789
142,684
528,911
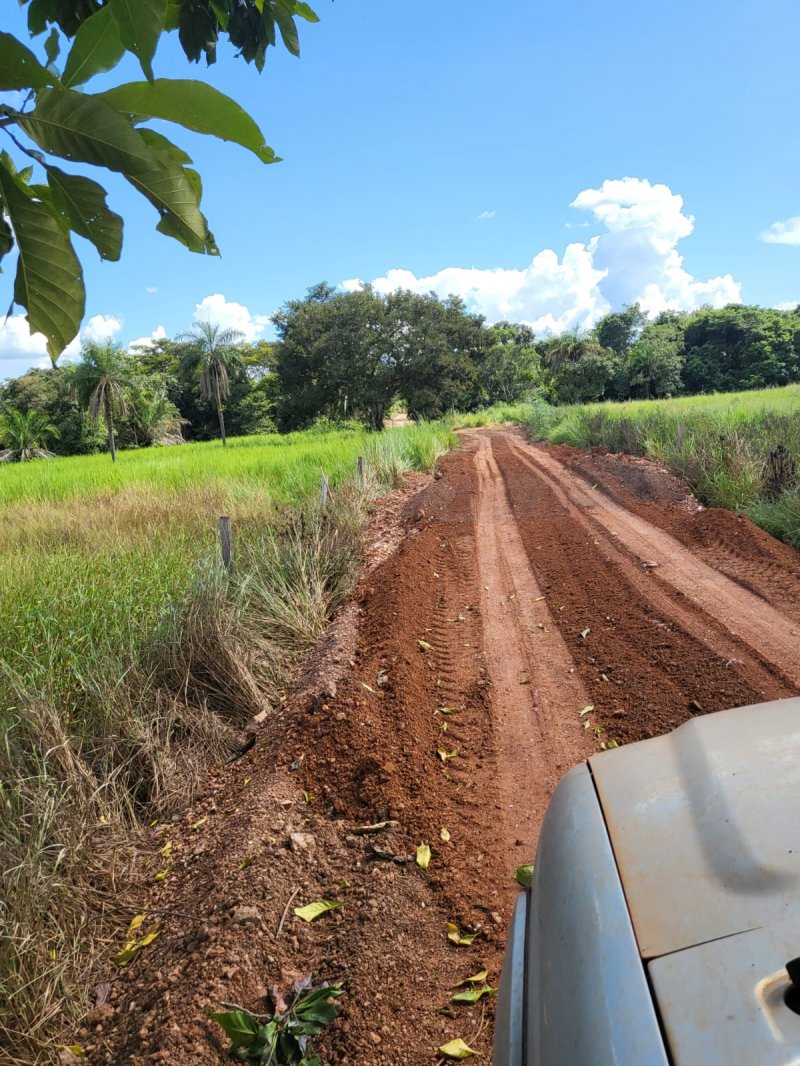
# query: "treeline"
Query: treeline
354,356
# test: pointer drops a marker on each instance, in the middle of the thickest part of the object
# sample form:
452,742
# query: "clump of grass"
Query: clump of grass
131,660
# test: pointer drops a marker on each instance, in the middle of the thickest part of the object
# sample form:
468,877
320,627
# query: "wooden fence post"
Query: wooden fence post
325,489
226,541
360,466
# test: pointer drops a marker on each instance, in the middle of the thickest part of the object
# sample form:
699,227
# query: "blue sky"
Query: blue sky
441,146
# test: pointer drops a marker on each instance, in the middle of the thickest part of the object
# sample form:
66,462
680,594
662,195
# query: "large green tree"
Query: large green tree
511,367
741,347
42,205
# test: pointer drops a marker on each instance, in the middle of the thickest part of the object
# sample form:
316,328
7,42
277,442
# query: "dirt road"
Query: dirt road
530,583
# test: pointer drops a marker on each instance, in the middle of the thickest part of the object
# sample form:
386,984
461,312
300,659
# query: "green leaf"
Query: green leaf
49,280
455,936
163,144
423,856
239,1026
305,12
19,67
456,1049
85,129
141,23
192,104
524,875
472,995
287,27
133,947
175,194
97,47
83,204
314,910
476,979
52,46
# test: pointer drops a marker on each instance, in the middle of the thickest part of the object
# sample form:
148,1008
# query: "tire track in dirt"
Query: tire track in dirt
537,693
711,596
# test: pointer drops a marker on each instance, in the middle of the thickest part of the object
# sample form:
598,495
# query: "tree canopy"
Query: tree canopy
53,118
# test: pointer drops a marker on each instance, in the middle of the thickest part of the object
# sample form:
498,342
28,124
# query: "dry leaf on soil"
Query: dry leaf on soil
314,910
456,1049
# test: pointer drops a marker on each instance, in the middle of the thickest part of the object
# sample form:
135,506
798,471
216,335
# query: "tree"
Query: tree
569,347
654,363
620,330
511,366
58,118
100,381
438,349
335,357
154,418
211,353
741,347
25,435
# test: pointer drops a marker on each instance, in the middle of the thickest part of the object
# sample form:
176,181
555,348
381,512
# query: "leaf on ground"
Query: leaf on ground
135,924
239,1025
444,834
586,709
74,1049
456,1049
445,755
314,910
133,947
247,781
424,645
472,995
164,874
166,851
524,875
308,797
246,862
200,822
612,744
455,936
476,979
585,633
423,856
448,710
369,688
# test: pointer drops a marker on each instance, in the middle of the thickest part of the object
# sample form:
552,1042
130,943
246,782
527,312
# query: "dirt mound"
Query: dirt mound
504,598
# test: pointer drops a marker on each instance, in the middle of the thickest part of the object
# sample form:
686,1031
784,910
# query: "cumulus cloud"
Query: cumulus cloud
785,232
486,214
158,334
633,258
151,289
18,344
231,315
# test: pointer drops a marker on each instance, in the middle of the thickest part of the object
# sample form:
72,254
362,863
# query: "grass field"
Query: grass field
737,450
131,659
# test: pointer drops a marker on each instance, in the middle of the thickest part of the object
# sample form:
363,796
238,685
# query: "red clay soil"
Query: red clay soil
528,583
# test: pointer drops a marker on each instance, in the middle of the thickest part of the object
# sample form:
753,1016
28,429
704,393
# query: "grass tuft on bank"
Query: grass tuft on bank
131,660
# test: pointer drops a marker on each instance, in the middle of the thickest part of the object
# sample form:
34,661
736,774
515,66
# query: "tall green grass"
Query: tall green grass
131,659
725,445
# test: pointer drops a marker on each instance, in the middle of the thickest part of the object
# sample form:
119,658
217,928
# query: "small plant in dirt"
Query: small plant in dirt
285,1038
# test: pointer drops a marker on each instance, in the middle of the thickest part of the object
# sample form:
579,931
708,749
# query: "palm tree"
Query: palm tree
25,434
212,352
101,379
155,419
570,347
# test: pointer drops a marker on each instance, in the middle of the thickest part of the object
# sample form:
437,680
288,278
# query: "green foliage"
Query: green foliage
284,1040
25,435
101,380
59,118
212,353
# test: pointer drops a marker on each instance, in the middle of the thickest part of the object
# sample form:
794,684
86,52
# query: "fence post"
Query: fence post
325,489
225,528
361,473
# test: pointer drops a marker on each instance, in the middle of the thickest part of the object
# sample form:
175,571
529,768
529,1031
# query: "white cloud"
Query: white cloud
787,305
486,214
158,334
785,232
27,349
635,258
101,328
231,315
151,289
